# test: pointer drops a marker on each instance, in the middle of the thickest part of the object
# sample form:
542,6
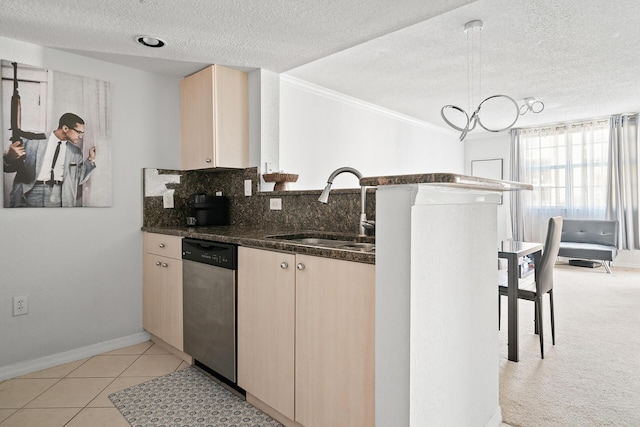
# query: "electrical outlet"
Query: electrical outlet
247,187
218,193
167,199
20,305
275,204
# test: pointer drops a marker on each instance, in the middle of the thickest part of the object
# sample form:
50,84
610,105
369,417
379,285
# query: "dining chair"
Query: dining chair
542,283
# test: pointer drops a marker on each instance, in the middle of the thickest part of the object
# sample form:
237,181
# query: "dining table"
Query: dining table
512,251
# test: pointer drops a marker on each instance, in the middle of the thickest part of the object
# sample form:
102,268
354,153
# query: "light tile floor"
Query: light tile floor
75,394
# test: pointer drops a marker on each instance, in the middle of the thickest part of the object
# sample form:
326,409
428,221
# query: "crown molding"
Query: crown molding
359,103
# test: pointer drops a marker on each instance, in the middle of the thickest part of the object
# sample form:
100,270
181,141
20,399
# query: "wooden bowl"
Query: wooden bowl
280,179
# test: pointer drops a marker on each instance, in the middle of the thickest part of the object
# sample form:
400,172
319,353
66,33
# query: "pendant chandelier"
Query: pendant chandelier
459,119
531,104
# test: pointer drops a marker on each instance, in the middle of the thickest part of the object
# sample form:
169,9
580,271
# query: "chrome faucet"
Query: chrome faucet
324,197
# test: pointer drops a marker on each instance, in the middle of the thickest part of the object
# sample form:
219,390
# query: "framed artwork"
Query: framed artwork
489,168
56,135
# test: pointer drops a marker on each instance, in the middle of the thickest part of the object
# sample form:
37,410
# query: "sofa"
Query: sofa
590,239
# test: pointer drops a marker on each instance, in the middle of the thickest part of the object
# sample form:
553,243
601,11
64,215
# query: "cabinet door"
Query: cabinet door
152,294
334,343
232,118
197,120
171,304
214,119
266,297
162,298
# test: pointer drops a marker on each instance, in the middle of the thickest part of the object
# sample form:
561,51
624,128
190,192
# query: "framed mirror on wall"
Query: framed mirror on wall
487,168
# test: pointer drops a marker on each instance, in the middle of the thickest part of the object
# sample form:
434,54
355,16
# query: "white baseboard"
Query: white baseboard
14,370
496,419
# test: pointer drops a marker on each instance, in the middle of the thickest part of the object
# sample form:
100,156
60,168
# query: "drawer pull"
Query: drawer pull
208,160
164,264
161,245
158,263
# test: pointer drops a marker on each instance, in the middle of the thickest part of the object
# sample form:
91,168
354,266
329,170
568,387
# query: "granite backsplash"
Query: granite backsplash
300,209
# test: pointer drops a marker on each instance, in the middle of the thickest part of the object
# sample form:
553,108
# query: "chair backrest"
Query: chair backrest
544,279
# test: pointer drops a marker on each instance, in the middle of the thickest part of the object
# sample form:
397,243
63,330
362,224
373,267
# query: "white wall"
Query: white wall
255,112
436,346
264,122
482,145
82,267
322,130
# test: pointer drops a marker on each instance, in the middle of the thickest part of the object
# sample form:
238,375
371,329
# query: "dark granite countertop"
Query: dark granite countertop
259,238
448,180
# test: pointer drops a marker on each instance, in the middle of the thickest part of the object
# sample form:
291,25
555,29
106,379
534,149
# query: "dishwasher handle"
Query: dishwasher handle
223,255
211,247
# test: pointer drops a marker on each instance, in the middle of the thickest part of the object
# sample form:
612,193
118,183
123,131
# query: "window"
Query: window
567,165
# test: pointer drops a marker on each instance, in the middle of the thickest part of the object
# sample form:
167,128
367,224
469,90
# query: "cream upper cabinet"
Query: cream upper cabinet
266,326
162,288
214,119
306,336
335,302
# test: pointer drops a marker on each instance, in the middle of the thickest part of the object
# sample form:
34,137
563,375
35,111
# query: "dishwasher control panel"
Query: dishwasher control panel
214,253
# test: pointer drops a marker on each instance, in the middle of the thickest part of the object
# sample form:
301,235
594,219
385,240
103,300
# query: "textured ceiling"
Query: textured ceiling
273,34
577,56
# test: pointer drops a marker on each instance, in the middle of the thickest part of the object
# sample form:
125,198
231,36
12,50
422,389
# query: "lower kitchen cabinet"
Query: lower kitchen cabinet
335,321
266,326
306,336
162,288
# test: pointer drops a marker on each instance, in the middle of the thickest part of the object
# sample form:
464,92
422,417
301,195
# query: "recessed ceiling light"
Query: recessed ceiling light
150,41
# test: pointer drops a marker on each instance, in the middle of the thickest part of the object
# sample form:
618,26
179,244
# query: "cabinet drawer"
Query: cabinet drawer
163,244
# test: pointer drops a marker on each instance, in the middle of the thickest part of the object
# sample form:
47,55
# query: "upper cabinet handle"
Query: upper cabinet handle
284,265
300,266
161,245
164,264
208,160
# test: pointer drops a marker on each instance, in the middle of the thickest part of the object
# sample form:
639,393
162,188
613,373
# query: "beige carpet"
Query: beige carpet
591,377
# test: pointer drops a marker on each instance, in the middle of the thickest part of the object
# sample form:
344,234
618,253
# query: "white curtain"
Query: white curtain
567,166
625,176
90,99
97,115
517,210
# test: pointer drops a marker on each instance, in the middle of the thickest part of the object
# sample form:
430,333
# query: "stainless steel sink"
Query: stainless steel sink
328,240
365,247
317,241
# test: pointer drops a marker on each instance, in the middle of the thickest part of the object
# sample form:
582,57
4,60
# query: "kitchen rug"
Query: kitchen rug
187,398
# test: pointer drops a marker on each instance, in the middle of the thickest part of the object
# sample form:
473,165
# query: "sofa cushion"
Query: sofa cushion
587,251
601,232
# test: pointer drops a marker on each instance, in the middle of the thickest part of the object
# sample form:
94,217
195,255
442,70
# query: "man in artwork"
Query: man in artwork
49,171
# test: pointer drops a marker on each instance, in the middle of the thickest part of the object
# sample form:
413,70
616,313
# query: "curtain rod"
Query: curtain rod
569,123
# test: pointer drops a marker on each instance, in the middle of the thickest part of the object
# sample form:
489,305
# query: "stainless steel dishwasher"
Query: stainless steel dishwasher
209,305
